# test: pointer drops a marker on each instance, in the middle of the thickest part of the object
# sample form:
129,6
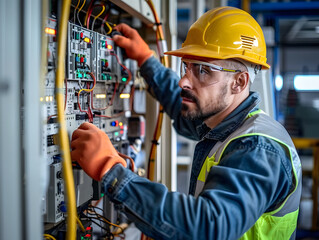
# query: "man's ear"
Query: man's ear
240,83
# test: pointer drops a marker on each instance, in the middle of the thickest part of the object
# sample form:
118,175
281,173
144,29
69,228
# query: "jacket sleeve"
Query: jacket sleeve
250,179
163,85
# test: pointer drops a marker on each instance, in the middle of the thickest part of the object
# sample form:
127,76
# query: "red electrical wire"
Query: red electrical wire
89,14
106,17
89,109
87,90
109,104
89,9
115,88
121,113
131,160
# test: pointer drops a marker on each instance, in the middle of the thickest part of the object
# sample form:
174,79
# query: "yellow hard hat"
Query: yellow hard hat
223,33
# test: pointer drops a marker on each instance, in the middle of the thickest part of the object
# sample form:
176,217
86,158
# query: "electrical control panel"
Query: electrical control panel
97,89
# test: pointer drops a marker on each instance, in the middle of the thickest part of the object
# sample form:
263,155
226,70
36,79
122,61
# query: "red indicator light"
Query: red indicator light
82,59
116,123
88,228
81,34
50,31
121,127
121,132
87,235
110,47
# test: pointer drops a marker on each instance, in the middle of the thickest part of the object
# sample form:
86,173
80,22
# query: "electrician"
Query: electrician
246,175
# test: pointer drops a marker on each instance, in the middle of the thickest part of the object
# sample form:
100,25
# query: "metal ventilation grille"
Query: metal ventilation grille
247,42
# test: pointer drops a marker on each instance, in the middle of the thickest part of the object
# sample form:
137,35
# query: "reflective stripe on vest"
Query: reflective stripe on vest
280,223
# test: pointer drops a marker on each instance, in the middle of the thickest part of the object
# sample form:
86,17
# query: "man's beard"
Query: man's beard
201,113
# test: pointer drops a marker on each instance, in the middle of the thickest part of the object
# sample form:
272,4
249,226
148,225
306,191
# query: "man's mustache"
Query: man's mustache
187,94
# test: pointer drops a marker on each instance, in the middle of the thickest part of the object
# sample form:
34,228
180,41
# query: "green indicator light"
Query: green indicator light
116,134
103,77
84,75
80,75
102,194
124,79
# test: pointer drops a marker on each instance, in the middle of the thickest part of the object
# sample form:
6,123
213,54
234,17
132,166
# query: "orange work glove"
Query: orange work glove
134,45
93,150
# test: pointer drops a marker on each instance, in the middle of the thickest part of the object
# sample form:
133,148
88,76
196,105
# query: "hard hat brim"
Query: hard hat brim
197,51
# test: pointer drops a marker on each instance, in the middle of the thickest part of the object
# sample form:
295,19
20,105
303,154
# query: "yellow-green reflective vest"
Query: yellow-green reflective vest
280,223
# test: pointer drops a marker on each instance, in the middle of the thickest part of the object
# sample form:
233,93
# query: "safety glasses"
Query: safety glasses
202,71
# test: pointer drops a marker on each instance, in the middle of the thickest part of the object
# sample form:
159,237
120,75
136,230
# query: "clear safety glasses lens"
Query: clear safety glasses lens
202,71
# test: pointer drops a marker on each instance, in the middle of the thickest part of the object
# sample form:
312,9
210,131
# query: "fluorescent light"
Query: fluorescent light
124,95
306,82
279,82
100,96
50,31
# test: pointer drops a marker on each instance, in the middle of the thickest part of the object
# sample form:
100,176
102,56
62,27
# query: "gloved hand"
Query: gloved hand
134,45
93,150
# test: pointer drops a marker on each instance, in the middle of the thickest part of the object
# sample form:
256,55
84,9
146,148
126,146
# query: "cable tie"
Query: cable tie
158,24
155,142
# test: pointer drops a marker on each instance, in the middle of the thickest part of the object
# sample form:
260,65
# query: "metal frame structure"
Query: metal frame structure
20,165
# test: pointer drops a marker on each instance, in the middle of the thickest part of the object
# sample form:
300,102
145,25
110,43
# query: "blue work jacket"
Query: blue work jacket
226,211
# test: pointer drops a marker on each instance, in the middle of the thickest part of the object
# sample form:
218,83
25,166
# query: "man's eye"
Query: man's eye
204,70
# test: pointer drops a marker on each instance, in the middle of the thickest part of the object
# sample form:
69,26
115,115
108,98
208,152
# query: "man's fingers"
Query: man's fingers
74,143
121,41
78,133
75,156
86,126
125,30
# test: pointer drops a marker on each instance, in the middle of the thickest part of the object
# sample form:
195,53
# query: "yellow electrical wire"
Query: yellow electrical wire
80,224
105,220
77,15
103,9
110,28
86,90
63,135
77,5
82,6
74,12
48,236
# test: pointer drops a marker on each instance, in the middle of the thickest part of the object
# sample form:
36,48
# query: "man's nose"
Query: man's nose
185,82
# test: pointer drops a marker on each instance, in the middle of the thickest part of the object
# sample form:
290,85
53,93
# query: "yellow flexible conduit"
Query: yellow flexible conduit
63,135
158,129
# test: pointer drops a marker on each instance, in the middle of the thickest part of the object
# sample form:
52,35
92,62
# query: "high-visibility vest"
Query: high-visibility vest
281,222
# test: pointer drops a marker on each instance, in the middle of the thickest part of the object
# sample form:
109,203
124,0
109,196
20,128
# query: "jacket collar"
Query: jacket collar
232,121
